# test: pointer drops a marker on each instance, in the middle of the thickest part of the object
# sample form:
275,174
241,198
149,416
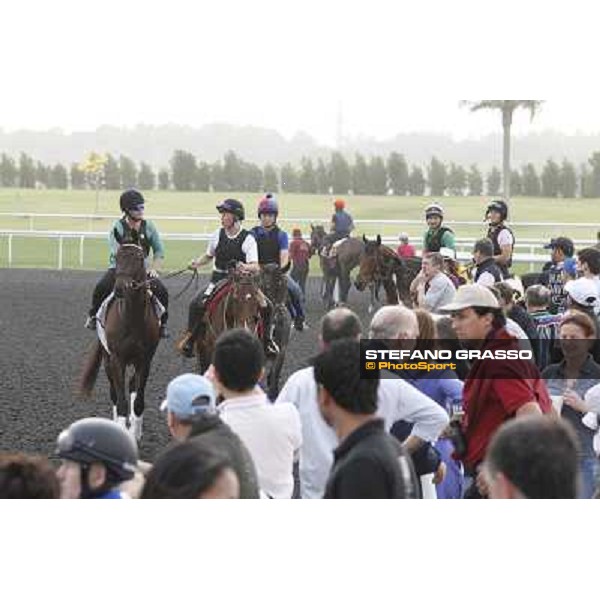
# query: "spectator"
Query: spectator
569,380
505,296
488,272
433,287
562,248
396,398
537,300
589,263
368,463
495,390
514,310
272,433
27,477
582,295
448,340
191,470
191,413
300,257
97,456
405,249
533,457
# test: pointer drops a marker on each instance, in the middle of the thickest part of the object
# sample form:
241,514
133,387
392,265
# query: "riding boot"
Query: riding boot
195,328
270,346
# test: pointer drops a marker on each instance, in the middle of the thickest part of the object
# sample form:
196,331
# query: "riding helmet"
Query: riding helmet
268,206
93,440
130,199
434,210
339,204
499,206
235,207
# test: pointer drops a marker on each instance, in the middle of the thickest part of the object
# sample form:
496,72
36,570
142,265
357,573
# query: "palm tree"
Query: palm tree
507,108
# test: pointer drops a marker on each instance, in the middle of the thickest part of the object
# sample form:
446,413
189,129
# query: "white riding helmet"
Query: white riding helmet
448,253
434,209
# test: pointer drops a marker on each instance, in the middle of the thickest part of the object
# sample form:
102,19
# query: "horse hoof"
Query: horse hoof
122,421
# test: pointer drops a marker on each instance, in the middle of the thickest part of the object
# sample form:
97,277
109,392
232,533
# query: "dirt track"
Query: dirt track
43,345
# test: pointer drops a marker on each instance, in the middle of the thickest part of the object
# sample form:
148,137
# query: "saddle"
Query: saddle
222,288
333,249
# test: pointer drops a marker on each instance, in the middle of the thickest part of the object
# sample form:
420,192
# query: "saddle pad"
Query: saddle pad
217,297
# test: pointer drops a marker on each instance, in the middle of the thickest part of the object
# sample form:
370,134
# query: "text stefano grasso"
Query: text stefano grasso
462,354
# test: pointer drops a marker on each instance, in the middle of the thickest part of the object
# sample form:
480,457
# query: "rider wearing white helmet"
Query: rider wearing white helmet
502,237
437,236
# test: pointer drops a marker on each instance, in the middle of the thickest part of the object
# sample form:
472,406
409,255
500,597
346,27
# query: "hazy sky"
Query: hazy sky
291,65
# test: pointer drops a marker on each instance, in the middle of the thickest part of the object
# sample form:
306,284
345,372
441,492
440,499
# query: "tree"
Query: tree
77,177
59,179
474,181
217,178
377,176
341,177
270,179
112,173
202,180
494,180
253,178
595,174
42,174
550,179
308,179
93,169
360,175
8,171
183,167
416,182
457,180
323,178
289,178
398,173
26,171
164,179
437,177
568,179
233,172
507,109
531,181
516,183
129,174
146,178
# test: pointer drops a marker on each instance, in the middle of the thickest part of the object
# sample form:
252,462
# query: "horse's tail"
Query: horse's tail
90,370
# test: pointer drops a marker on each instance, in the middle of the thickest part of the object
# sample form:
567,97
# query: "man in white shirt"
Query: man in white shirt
434,288
397,400
272,434
501,236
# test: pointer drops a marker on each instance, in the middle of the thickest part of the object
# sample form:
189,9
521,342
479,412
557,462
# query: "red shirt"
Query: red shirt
299,252
406,251
494,390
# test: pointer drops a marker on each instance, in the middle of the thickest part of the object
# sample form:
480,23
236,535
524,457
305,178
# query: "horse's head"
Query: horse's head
130,268
370,263
244,295
274,282
317,236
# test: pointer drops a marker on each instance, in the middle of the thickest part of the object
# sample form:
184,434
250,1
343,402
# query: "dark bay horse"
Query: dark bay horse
336,268
132,336
273,283
381,266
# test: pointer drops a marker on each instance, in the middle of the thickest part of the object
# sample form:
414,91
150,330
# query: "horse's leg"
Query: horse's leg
117,378
113,391
142,372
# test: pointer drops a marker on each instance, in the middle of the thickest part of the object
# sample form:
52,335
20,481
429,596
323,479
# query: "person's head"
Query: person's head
395,322
496,212
562,247
533,457
23,476
577,332
132,203
475,312
505,295
403,237
434,215
232,211
191,470
297,233
339,324
433,264
238,362
189,398
267,210
341,389
537,297
589,261
483,250
97,455
339,204
426,339
582,294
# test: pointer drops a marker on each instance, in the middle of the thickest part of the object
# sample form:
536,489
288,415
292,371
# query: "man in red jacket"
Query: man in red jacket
495,390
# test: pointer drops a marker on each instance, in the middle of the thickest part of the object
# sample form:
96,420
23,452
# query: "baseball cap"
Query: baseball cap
570,266
447,252
564,243
472,295
583,291
190,395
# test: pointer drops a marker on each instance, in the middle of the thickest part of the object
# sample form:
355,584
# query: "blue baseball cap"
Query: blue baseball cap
190,395
570,266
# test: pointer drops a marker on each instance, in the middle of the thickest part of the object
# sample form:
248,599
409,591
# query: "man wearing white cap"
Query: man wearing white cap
582,294
495,390
191,410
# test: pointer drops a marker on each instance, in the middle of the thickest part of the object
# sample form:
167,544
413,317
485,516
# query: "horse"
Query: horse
381,266
337,268
274,285
235,303
132,336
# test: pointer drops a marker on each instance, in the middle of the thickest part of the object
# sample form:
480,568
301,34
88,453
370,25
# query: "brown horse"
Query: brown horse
337,268
132,335
273,282
381,266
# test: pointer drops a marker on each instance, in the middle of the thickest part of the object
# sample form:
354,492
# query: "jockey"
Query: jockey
273,247
437,236
502,237
229,243
342,225
132,224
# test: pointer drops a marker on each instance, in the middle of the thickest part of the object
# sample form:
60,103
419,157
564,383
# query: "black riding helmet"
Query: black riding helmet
130,199
235,207
93,440
499,206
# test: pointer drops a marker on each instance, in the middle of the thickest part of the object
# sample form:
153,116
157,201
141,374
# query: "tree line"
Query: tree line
374,175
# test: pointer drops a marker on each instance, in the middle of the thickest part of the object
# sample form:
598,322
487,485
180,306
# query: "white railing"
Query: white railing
527,251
